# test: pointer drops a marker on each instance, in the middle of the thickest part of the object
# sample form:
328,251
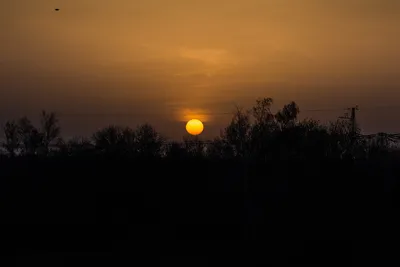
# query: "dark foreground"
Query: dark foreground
64,212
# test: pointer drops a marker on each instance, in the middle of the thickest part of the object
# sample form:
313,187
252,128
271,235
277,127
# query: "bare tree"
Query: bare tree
237,134
194,146
128,138
262,111
128,135
287,117
75,146
12,138
220,149
108,139
264,129
148,141
30,136
175,150
313,138
49,128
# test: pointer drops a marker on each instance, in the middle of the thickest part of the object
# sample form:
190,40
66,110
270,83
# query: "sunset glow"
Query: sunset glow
136,57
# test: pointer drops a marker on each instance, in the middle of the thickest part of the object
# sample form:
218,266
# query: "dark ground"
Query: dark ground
60,212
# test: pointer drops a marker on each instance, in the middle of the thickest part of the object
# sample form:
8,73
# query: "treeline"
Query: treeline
307,192
256,134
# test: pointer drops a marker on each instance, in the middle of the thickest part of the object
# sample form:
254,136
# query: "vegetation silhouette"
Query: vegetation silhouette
302,191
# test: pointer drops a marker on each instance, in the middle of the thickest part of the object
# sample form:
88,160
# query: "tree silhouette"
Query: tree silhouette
262,111
287,117
175,150
255,134
75,146
219,148
194,146
11,143
379,145
237,134
149,142
109,139
30,136
313,139
128,141
264,130
345,142
50,129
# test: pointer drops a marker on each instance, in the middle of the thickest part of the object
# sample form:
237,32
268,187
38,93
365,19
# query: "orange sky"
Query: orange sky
166,60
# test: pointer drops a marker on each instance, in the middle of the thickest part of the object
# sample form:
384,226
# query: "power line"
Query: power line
380,107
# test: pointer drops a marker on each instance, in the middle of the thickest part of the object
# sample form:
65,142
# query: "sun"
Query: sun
194,127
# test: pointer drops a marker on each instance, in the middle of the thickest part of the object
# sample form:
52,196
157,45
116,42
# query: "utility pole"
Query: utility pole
352,119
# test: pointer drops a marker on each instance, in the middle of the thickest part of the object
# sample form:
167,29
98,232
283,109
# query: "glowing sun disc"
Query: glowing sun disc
194,127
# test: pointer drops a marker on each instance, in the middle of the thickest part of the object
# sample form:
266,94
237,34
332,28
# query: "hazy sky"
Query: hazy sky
164,61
